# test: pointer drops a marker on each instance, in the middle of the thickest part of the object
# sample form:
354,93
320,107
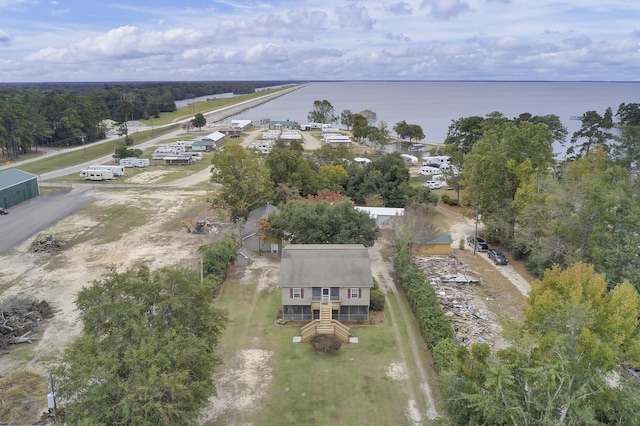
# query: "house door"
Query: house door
326,295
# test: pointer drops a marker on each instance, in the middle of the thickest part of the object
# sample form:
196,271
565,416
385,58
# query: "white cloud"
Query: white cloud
399,8
4,36
301,18
354,16
445,9
396,37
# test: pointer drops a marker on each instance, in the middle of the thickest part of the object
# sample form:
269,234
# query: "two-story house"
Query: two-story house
313,274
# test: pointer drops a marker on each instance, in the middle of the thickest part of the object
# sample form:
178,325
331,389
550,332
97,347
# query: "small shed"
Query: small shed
17,186
251,238
243,257
217,137
241,124
439,245
204,145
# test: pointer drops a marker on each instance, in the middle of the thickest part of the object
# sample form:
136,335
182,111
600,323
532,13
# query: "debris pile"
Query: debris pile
46,244
454,284
19,315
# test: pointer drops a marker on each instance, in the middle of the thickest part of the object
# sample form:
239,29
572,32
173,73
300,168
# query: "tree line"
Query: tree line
63,114
581,209
362,125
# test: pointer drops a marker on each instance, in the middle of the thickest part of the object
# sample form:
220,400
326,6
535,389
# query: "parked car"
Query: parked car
3,210
481,246
472,241
432,184
497,256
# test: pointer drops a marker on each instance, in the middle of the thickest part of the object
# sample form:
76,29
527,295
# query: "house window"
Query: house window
355,293
297,293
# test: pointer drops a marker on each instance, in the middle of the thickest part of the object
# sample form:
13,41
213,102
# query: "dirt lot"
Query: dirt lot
57,278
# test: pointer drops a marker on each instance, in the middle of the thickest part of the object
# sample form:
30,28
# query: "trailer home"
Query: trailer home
118,171
436,161
409,159
97,175
429,170
134,162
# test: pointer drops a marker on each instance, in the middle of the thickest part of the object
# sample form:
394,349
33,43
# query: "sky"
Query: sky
207,40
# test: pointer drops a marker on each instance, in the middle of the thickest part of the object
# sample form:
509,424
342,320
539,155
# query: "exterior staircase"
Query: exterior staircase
325,325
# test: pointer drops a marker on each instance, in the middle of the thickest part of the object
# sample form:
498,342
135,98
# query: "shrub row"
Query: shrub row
434,325
448,200
216,258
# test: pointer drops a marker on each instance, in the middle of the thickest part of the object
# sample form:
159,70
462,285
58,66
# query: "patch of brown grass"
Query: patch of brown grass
501,296
18,405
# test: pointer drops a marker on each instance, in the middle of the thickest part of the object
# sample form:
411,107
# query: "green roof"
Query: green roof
11,177
442,239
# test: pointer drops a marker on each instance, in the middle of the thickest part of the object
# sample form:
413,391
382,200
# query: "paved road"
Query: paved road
27,219
216,115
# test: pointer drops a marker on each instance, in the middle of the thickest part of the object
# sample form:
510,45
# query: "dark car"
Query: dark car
3,210
497,256
479,243
481,246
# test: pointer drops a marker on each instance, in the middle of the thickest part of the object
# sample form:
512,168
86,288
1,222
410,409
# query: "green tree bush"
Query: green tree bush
147,350
377,299
325,343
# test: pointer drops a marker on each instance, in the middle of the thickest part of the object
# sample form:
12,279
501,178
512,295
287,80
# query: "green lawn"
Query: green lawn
303,387
91,152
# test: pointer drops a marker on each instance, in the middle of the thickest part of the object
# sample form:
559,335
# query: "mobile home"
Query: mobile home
118,171
96,175
410,159
436,161
134,162
429,170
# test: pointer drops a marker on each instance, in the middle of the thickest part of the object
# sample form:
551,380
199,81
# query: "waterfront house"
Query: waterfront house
325,282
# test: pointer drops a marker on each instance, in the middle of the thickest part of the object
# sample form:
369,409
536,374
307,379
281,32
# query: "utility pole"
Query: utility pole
84,145
475,244
51,398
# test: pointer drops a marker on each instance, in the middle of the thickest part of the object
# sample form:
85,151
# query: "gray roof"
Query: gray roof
244,252
11,177
206,142
325,265
251,226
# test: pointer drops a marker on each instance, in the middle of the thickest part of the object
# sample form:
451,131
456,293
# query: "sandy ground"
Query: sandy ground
381,270
57,278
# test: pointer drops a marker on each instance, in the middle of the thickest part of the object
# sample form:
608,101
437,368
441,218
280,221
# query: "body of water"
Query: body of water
433,105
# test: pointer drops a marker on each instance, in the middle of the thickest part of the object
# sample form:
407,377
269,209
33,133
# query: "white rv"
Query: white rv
118,171
134,162
97,175
436,161
428,170
411,159
361,161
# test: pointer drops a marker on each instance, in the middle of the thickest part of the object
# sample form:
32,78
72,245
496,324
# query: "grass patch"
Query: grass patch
17,403
93,152
348,387
112,223
205,106
501,296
